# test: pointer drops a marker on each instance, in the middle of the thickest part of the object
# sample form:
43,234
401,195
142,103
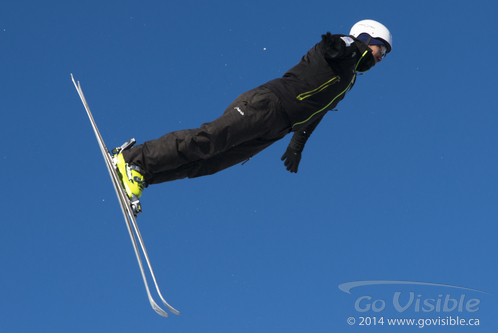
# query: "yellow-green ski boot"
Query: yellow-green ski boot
132,180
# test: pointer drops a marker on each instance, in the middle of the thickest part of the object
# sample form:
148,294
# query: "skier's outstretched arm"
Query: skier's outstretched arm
292,156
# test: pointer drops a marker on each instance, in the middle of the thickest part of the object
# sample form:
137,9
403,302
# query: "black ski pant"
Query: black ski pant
254,121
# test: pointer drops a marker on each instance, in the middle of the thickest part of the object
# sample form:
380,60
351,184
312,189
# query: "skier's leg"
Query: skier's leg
216,163
256,114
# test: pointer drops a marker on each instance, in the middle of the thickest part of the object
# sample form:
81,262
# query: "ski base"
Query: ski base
129,208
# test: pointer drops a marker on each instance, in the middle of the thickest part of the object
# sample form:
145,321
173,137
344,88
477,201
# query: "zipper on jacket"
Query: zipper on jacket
332,101
320,88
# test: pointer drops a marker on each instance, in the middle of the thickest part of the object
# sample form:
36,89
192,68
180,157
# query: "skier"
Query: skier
256,119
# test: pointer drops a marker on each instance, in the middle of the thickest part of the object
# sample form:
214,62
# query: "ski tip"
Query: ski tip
159,311
169,307
174,311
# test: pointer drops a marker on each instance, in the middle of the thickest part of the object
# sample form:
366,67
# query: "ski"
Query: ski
129,209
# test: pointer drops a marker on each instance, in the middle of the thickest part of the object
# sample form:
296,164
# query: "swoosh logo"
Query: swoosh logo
239,110
346,287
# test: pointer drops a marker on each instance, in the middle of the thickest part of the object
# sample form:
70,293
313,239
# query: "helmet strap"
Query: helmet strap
368,40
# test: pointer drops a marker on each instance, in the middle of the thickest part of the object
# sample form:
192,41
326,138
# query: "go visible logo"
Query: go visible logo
402,301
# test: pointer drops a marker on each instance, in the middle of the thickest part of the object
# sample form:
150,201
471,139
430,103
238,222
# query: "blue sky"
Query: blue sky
399,185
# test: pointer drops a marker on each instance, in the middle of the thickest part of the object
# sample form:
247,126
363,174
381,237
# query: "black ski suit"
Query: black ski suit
258,118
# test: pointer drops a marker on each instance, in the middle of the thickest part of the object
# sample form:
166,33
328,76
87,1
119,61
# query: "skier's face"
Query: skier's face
378,52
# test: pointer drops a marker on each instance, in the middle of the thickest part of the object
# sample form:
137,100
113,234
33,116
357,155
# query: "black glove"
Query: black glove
292,159
334,45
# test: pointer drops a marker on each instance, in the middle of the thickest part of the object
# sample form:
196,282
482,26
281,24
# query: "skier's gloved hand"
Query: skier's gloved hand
334,45
292,159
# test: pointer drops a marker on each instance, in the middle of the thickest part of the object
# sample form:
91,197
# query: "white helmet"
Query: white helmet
375,30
